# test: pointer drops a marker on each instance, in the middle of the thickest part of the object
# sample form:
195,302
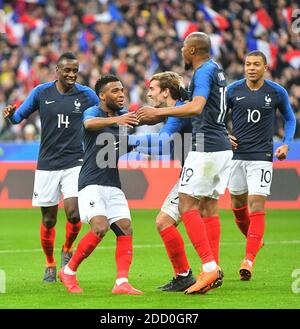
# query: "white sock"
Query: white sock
121,280
184,273
68,271
210,266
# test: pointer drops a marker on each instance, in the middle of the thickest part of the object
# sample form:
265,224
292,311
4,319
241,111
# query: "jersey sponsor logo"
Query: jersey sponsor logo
49,102
77,105
240,98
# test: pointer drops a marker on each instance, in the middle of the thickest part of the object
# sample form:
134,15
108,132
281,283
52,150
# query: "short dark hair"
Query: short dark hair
103,81
67,55
258,53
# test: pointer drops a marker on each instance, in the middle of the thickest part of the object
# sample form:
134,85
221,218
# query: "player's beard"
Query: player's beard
187,66
113,106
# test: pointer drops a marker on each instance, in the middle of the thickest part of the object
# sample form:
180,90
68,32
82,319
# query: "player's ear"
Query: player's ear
192,50
166,92
102,96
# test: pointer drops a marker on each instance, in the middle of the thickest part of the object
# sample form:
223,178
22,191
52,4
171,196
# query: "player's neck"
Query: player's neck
62,88
199,61
170,102
255,85
109,111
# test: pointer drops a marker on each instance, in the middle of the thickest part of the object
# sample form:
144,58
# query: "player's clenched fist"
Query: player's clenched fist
9,110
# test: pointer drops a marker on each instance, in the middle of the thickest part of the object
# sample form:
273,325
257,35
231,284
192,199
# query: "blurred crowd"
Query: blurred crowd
135,39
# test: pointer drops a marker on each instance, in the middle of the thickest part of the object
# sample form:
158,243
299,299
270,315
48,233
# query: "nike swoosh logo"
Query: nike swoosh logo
49,102
263,185
239,98
116,143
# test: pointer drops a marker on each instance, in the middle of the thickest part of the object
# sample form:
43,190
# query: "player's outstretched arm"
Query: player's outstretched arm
127,119
149,114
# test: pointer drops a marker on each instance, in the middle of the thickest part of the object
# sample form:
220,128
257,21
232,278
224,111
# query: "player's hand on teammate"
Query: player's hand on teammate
129,119
9,110
281,152
147,115
233,142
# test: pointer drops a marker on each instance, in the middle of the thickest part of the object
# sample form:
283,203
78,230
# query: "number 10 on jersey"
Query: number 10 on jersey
62,120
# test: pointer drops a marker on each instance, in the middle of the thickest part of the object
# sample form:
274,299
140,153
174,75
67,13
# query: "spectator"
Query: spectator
140,39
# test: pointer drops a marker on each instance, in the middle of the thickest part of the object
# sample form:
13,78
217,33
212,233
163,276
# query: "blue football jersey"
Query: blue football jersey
61,123
253,115
208,127
102,149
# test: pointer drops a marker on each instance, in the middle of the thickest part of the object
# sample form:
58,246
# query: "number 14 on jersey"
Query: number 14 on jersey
62,120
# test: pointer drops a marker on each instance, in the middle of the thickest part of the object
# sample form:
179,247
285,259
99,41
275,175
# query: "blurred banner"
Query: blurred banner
145,186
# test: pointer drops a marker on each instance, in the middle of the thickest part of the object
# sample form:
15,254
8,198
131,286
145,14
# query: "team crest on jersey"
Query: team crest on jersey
77,105
268,101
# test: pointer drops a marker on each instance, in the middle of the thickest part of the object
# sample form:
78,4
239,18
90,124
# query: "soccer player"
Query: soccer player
166,89
254,101
102,203
60,104
206,170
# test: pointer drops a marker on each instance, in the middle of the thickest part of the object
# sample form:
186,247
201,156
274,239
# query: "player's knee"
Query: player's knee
100,229
162,222
49,221
256,206
122,227
73,216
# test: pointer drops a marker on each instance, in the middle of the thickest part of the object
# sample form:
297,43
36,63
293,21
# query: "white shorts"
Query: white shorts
99,200
49,185
254,177
205,174
170,205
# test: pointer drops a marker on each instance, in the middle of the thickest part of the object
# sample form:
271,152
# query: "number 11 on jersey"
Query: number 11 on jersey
221,116
62,120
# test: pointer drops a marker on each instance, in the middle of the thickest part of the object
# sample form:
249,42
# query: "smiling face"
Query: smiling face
67,71
112,94
156,95
255,68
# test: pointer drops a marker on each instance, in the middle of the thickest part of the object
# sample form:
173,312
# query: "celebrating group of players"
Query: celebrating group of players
241,161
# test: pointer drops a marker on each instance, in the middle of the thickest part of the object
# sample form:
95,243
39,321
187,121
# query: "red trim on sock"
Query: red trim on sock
123,255
196,231
47,236
85,247
174,245
72,230
255,234
212,225
242,219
